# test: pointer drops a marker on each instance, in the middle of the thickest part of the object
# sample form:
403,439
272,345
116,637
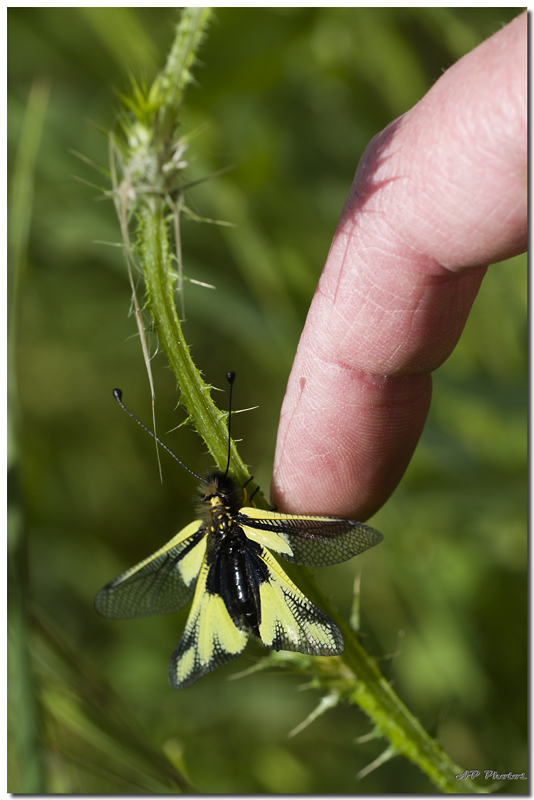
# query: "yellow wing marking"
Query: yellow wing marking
289,621
190,564
261,513
274,540
185,533
161,584
210,638
307,539
271,539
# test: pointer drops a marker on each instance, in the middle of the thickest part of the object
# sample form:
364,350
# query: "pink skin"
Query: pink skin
438,195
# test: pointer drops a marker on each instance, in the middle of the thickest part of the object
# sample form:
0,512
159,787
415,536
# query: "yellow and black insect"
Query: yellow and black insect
222,561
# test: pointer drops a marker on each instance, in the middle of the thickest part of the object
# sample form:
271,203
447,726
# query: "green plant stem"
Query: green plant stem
147,160
371,691
367,687
208,420
362,681
177,73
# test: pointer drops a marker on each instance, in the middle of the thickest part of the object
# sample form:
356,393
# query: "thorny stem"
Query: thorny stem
152,161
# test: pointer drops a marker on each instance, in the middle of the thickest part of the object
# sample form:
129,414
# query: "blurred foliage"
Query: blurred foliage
291,97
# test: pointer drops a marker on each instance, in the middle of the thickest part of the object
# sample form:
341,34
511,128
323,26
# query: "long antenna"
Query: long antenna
230,377
117,394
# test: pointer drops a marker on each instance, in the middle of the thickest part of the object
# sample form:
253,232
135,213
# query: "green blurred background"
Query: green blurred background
291,97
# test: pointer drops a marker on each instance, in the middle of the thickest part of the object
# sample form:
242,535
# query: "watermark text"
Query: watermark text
490,774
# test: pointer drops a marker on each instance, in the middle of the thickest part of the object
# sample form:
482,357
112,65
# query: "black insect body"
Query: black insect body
223,562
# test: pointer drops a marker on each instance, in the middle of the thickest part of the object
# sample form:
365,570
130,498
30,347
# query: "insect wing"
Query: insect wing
308,541
289,621
161,584
210,639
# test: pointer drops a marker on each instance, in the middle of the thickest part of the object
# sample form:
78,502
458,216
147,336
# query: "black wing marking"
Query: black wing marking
289,621
210,639
162,583
306,540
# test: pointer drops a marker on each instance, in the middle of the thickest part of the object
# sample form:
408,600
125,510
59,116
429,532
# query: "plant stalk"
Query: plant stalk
363,682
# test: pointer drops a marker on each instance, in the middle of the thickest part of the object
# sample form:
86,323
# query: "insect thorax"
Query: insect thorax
220,500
